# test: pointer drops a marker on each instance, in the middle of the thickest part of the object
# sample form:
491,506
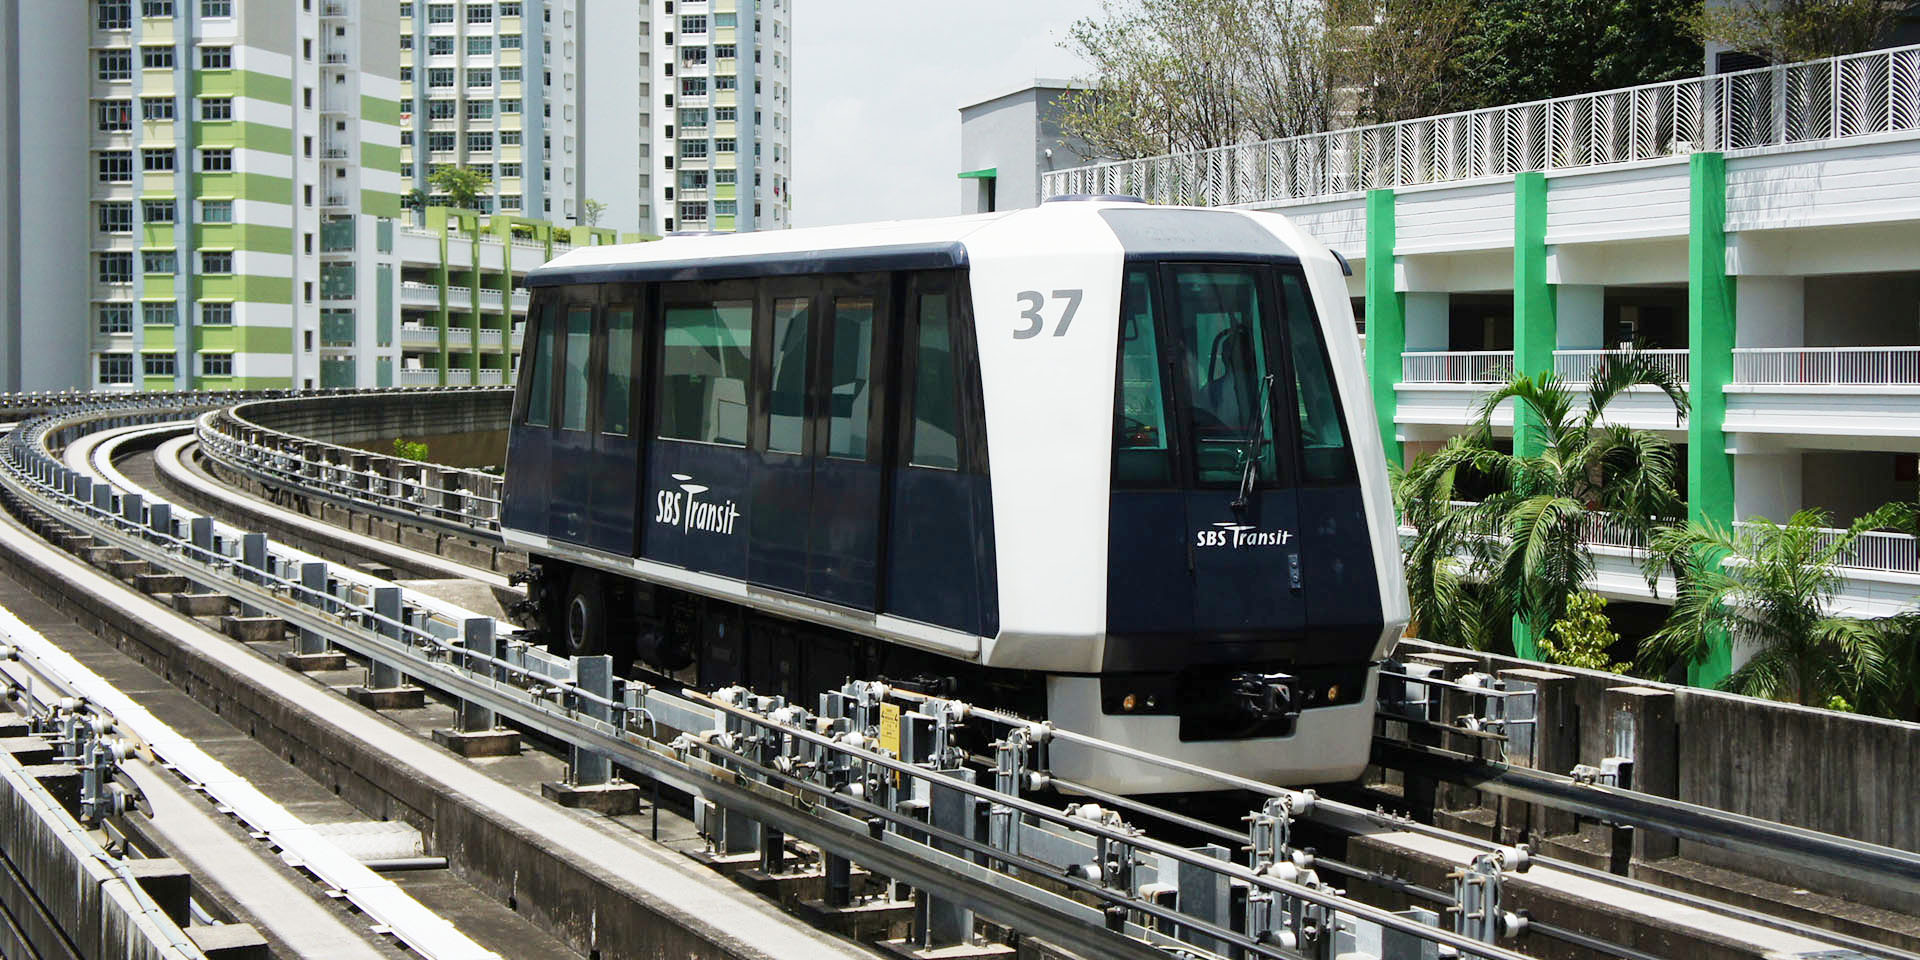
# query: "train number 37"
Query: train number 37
1032,301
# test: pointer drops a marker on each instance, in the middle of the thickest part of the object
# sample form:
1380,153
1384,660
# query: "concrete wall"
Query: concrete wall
376,418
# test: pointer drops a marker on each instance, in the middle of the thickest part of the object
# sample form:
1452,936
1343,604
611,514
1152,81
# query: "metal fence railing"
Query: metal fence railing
1872,550
1578,366
1795,103
1457,366
1863,366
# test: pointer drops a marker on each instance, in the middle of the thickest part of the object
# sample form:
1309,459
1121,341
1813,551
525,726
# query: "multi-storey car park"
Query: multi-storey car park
1754,228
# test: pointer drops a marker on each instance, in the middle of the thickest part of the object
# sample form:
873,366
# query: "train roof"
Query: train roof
930,244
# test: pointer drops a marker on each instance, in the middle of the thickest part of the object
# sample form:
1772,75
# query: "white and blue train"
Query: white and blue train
1110,464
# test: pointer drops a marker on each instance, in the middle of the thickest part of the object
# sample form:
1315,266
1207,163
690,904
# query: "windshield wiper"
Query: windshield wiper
1251,448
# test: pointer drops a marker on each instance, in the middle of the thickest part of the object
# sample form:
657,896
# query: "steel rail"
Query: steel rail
1718,828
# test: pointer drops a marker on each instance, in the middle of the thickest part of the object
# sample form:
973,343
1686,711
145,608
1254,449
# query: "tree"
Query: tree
1787,30
1513,51
461,185
591,211
1517,555
413,199
1767,589
409,450
1395,56
1583,637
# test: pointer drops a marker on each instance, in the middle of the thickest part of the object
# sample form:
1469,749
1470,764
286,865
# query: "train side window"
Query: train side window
1323,437
540,381
616,388
850,395
787,400
936,419
573,401
1141,457
705,365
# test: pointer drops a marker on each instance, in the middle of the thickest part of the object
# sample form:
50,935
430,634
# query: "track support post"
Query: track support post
590,783
387,688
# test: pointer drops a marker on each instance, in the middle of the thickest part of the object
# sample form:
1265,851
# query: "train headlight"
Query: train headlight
1127,703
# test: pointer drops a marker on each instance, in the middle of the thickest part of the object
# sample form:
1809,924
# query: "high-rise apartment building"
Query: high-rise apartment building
690,126
723,106
215,172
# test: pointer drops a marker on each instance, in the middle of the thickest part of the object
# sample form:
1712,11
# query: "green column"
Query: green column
445,319
1710,333
473,291
1535,330
1386,317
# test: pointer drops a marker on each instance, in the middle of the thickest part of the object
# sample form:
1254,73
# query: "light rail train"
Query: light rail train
1111,464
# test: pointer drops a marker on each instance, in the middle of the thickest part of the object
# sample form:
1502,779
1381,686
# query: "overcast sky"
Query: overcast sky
877,89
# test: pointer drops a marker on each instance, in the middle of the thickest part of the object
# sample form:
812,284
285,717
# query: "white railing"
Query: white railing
415,293
419,378
1821,100
413,335
1476,366
1873,550
1598,529
1578,366
1868,366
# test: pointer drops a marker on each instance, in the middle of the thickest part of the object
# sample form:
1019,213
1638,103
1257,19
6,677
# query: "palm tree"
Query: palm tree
1512,559
1767,589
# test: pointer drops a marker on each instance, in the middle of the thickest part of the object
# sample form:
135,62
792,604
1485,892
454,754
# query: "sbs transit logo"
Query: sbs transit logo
684,509
1234,536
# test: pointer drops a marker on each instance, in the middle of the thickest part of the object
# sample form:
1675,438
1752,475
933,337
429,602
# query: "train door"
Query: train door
848,499
935,536
529,452
570,476
695,506
782,495
614,468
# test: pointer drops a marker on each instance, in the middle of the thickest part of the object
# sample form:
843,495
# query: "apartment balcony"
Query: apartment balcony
420,378
334,201
1444,389
520,299
492,377
1798,394
419,335
336,55
334,8
416,294
334,151
490,339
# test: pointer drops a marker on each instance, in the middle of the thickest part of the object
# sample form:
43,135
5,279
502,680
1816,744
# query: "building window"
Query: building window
406,10
159,314
693,86
439,13
158,262
406,76
116,65
216,364
693,118
479,78
726,20
216,8
156,109
694,211
406,40
511,9
440,77
116,267
479,46
440,140
115,116
480,13
156,58
510,202
509,138
406,138
440,109
116,368
725,82
723,51
726,175
440,46
509,106
216,58
157,364
216,159
725,208
216,261
693,56
156,211
509,41
509,171
216,108
479,143
157,159
116,217
216,211
723,145
115,14
479,109
693,179
116,318
693,25
725,114
116,166
509,74
156,9
216,314
693,149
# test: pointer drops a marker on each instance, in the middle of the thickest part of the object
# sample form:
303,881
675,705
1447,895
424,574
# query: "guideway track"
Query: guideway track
726,772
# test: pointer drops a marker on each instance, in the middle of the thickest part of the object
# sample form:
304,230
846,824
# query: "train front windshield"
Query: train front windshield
1228,346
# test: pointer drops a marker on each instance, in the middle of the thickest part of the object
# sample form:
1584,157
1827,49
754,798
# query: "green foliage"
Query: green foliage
1767,589
408,450
1582,637
1519,553
461,185
1787,30
1513,51
591,211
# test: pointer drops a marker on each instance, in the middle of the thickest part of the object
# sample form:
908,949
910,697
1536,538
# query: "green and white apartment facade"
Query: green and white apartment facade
1760,229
